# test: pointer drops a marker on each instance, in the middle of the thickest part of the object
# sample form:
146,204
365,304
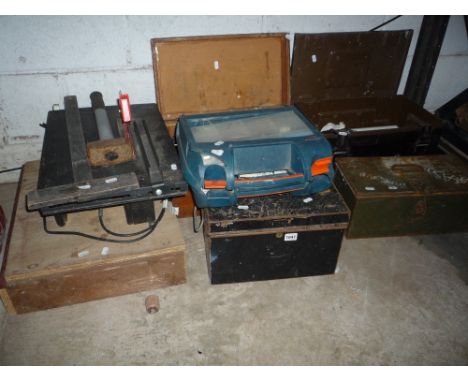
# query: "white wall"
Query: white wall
42,59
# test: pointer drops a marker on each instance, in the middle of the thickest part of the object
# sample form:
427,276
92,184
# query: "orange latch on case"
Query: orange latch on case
320,166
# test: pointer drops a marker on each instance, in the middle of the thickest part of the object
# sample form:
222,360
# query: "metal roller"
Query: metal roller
102,120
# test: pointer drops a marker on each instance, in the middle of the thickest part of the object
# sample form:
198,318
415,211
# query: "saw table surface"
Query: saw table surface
42,271
65,170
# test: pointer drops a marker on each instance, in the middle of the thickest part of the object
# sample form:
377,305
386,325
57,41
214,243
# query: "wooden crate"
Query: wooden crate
353,77
42,271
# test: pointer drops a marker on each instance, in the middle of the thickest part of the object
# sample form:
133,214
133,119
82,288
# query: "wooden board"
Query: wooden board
43,271
110,152
220,73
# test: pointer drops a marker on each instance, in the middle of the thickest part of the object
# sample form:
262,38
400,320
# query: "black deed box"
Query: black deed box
353,78
275,237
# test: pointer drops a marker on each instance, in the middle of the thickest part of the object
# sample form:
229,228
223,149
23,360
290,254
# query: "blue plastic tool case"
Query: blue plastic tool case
233,155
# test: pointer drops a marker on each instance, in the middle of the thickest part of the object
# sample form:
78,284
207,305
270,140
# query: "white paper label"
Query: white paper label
83,253
218,152
290,236
111,180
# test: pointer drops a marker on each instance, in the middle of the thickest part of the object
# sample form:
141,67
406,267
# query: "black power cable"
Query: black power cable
148,231
10,169
109,231
385,23
196,227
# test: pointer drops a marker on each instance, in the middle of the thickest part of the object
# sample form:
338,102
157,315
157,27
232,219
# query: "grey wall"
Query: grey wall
45,58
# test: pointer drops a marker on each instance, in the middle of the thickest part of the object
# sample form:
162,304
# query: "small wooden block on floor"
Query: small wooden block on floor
43,271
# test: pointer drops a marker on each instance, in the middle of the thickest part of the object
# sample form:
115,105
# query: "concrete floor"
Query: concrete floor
392,301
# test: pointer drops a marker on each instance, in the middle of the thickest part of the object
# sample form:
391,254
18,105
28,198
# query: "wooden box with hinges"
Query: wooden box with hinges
206,74
392,196
42,271
275,237
347,83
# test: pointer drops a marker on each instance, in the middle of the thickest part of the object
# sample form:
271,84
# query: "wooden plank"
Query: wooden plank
44,271
97,282
110,152
7,303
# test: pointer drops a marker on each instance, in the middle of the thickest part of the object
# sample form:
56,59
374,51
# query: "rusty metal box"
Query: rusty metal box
392,196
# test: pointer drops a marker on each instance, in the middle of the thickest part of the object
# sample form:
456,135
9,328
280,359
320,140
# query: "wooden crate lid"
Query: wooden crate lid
348,65
220,73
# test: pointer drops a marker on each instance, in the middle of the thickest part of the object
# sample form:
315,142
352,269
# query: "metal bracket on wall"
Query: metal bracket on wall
425,57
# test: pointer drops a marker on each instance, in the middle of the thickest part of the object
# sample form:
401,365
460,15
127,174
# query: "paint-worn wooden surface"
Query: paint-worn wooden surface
44,271
353,77
220,73
391,196
348,65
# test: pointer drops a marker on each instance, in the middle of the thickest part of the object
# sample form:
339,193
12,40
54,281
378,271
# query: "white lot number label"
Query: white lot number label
290,237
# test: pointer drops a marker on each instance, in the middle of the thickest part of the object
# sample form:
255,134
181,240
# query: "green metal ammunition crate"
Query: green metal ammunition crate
393,196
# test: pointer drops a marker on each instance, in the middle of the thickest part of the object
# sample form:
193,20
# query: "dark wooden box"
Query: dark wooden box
354,78
275,237
392,196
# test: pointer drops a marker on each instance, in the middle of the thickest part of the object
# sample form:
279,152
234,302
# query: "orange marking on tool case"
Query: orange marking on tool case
220,184
320,166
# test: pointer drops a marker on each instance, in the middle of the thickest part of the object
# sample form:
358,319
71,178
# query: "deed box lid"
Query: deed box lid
220,73
348,65
372,177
